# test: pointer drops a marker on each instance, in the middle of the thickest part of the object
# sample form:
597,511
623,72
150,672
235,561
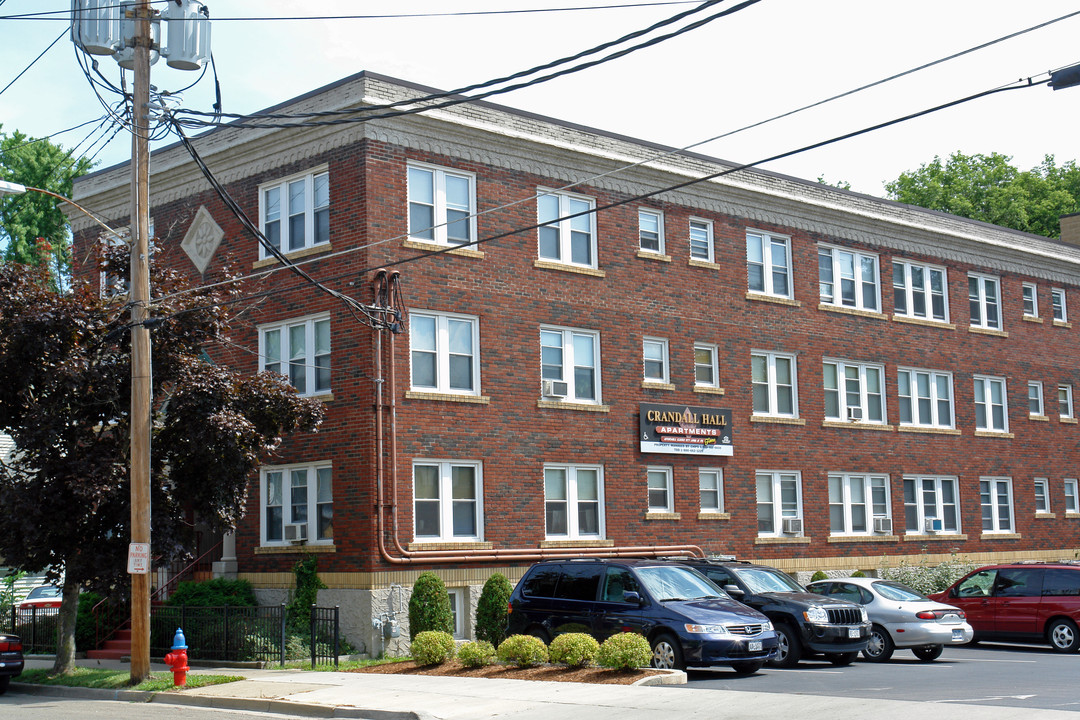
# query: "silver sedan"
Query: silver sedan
901,617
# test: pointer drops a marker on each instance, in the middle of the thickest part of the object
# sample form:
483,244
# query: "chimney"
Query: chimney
1070,228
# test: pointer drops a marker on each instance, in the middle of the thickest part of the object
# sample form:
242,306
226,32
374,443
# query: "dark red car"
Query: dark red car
11,659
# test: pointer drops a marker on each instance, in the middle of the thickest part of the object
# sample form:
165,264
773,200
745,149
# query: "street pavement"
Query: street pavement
300,693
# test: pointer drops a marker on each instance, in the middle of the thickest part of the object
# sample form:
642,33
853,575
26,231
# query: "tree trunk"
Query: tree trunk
65,628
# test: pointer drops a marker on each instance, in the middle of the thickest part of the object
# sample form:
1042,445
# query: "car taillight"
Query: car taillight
926,615
10,646
509,607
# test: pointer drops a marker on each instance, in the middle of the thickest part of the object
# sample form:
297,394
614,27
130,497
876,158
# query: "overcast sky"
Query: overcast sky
767,59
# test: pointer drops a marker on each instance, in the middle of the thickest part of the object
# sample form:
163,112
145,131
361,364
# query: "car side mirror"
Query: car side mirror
631,597
733,590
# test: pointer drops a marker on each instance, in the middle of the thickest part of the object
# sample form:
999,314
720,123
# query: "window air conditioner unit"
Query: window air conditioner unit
555,388
854,413
791,525
933,525
296,532
883,525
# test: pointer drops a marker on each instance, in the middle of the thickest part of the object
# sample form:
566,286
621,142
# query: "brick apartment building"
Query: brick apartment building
754,365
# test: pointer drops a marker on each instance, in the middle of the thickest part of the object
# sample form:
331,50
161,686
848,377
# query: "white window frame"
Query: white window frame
659,487
311,179
573,502
843,398
937,498
317,476
1065,402
1030,297
984,386
875,503
980,301
313,360
655,351
767,245
998,516
772,386
1057,300
570,362
905,294
443,352
776,511
713,365
711,481
701,232
459,610
1072,495
1041,487
912,401
441,207
447,502
1036,408
831,258
646,215
565,227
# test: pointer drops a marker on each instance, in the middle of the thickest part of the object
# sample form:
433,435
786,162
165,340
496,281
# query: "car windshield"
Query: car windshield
676,583
896,591
44,591
763,580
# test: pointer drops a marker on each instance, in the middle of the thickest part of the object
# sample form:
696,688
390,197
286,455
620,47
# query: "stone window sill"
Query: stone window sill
988,331
941,324
653,515
777,420
563,267
714,516
295,255
800,540
297,549
762,297
851,311
923,537
652,385
650,255
708,390
469,252
857,426
448,397
580,407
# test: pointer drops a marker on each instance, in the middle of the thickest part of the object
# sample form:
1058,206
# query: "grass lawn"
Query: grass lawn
118,679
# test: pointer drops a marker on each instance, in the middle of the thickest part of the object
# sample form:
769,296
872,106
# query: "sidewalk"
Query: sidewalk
418,697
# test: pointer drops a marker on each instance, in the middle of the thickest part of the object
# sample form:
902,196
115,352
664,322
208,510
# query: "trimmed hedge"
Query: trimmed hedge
432,647
476,654
429,606
491,609
625,651
523,651
574,649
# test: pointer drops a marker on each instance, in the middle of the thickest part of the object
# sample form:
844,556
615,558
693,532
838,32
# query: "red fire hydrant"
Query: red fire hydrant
177,659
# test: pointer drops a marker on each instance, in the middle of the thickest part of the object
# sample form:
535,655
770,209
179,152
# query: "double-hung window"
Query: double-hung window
925,398
442,205
447,501
706,369
651,231
995,496
848,279
1042,495
1035,399
711,490
984,300
990,408
300,350
570,364
931,504
1061,312
779,499
1072,496
774,388
855,500
1065,401
565,239
854,391
655,360
297,504
701,240
573,502
1031,300
768,264
295,212
919,291
660,493
445,355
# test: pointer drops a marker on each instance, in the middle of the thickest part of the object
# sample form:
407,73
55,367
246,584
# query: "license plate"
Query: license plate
755,646
853,633
957,634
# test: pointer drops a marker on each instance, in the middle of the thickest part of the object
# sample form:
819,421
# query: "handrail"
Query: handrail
189,569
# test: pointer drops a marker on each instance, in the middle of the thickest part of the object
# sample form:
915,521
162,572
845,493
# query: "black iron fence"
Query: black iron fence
325,635
36,627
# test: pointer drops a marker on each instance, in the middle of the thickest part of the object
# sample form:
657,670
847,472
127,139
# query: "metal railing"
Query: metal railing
325,635
36,627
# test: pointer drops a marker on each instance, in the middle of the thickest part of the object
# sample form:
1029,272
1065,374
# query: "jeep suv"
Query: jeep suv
804,622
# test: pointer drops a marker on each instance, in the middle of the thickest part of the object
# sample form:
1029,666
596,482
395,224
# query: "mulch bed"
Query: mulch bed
548,673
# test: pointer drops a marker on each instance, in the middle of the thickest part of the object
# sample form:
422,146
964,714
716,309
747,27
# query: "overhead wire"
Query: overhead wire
34,61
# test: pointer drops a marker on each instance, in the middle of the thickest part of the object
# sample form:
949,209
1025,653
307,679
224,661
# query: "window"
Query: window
931,504
768,264
1042,495
459,608
1065,403
995,495
1072,496
659,481
854,500
573,497
1031,300
570,359
778,498
297,504
442,205
299,350
853,391
296,212
983,299
1035,398
572,240
651,231
990,411
919,291
701,240
848,279
445,353
706,370
447,501
925,398
773,377
655,359
711,490
1057,297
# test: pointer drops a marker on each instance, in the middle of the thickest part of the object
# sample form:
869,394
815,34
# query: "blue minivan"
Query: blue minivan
685,617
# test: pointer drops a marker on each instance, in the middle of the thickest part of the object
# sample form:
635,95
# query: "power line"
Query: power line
52,135
32,62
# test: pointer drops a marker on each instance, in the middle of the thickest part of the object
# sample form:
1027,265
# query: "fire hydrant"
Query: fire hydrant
177,659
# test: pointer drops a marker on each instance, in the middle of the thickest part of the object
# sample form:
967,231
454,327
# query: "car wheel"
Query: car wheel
667,653
540,633
881,647
748,667
841,659
1063,635
789,647
928,653
4,683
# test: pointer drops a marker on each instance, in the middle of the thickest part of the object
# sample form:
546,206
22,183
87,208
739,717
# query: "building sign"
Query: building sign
138,558
683,429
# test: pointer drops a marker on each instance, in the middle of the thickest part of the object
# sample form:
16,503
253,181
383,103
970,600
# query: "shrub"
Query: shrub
491,609
574,649
819,575
523,651
858,573
432,647
85,625
927,578
213,593
625,651
476,654
306,594
429,606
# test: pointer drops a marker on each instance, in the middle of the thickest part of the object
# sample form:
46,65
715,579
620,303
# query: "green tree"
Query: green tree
32,227
989,188
491,610
429,606
65,368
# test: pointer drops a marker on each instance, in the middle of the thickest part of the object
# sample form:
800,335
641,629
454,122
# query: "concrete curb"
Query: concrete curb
669,677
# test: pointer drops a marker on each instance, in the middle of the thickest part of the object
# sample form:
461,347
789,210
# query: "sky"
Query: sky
767,59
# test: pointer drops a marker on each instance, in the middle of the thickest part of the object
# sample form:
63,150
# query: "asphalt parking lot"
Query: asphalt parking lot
986,674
